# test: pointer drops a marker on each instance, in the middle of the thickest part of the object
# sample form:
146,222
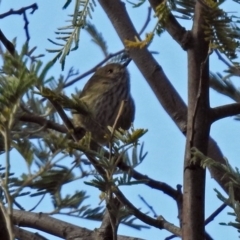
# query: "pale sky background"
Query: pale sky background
164,142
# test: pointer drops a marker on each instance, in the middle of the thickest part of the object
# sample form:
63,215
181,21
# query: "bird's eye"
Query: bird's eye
110,71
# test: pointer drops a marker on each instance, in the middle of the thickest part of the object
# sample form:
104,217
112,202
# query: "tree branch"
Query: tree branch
165,188
220,57
49,225
146,22
215,213
198,128
55,227
23,234
160,222
173,27
22,11
7,44
33,118
228,110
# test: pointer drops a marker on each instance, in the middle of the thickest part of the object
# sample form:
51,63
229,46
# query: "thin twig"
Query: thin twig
32,209
160,222
215,213
147,21
92,70
22,11
149,206
221,58
165,188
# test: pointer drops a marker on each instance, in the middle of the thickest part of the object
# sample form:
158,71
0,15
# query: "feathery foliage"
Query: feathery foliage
224,86
221,29
69,35
97,38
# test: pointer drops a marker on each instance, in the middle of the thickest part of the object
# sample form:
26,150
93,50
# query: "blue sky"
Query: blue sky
164,142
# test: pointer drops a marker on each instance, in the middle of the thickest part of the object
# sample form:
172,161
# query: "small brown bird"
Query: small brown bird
103,95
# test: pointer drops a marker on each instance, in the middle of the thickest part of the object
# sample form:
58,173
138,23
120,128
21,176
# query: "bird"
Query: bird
103,95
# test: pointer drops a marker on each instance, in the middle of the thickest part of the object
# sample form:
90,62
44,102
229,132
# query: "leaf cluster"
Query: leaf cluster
221,30
69,34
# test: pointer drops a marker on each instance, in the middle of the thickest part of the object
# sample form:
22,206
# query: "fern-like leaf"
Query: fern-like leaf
69,35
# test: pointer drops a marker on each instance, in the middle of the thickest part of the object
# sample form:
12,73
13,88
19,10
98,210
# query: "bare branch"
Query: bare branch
23,234
22,11
160,222
43,122
148,205
215,213
55,227
227,110
147,21
151,182
220,57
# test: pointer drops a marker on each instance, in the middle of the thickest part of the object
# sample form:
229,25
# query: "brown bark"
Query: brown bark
43,222
198,127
